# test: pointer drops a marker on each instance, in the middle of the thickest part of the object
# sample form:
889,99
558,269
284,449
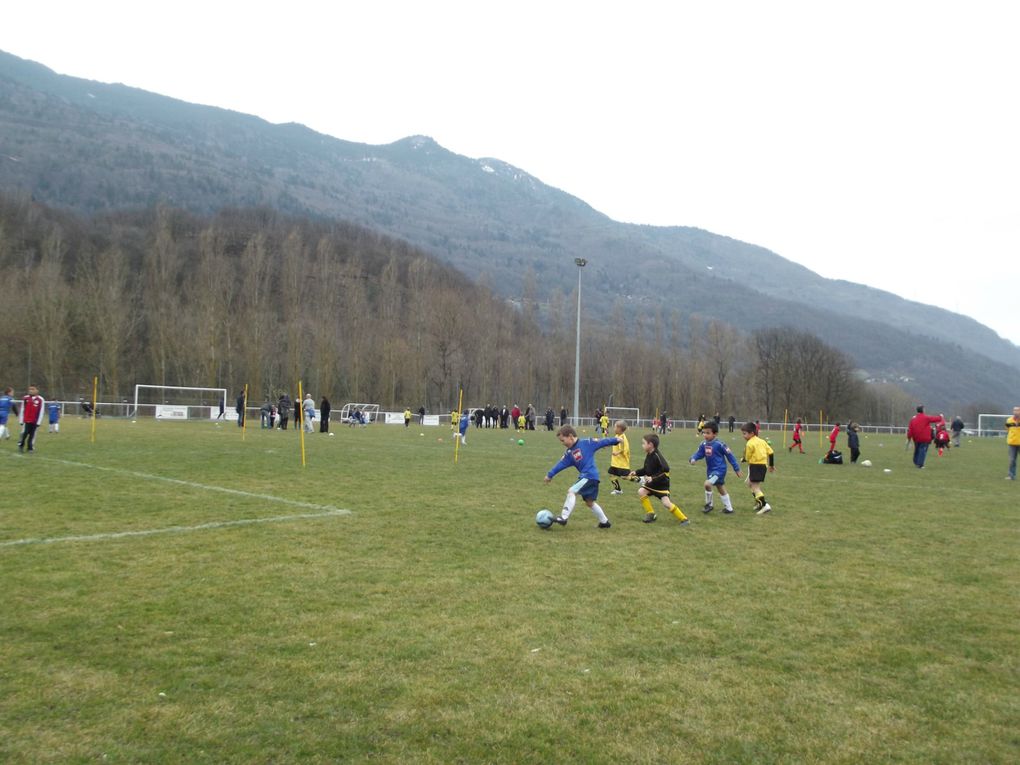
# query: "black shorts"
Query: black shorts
659,487
756,473
622,472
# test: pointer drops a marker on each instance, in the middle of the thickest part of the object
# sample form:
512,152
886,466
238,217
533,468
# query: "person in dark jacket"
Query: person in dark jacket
853,441
240,410
549,418
283,408
324,409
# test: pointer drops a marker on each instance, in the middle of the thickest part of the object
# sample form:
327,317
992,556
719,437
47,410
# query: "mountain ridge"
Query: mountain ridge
93,147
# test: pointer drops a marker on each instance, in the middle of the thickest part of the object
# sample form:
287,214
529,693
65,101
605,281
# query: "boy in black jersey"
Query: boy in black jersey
655,475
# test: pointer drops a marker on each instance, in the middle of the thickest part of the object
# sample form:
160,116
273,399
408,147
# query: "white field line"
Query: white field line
323,511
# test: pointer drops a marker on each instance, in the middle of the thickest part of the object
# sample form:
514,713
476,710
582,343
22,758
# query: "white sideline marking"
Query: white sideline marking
324,511
171,529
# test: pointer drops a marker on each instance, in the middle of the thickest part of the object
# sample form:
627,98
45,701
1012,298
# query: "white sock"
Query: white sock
599,513
726,502
568,505
708,498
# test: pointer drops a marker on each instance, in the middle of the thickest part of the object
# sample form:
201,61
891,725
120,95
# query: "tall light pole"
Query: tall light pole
580,263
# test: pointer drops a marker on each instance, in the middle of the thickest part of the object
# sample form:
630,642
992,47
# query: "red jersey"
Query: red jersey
919,429
832,436
32,409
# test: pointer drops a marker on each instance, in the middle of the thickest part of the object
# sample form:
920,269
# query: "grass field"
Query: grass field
173,594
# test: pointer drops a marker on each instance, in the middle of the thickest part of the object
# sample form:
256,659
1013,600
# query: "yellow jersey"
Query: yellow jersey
621,453
1013,431
757,451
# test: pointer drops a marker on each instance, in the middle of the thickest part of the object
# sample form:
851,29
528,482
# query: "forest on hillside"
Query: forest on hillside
252,296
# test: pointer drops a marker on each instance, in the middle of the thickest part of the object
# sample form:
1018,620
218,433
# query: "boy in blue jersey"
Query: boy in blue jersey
581,454
53,410
462,427
6,405
715,453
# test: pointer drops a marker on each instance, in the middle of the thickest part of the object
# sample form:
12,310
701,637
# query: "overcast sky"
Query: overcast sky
877,142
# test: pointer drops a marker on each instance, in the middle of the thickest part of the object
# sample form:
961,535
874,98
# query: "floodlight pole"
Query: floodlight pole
580,263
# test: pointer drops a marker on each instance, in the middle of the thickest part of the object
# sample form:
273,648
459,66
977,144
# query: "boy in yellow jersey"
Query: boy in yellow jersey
656,481
604,424
759,457
619,466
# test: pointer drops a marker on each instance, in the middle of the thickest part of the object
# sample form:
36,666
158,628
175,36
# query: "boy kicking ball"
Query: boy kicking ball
715,453
581,455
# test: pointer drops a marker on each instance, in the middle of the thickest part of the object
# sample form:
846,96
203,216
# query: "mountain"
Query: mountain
94,147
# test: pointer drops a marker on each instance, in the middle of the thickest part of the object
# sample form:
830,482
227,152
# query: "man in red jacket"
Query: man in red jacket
32,407
919,431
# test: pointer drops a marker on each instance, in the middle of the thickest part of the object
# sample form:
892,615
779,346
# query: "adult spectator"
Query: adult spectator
549,418
421,415
957,428
919,431
504,417
563,416
239,406
324,410
732,421
1013,441
309,408
283,408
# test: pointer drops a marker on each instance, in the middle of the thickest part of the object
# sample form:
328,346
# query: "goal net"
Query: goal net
630,414
368,412
176,402
992,424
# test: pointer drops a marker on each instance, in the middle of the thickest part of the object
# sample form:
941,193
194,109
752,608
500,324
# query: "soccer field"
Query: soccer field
174,594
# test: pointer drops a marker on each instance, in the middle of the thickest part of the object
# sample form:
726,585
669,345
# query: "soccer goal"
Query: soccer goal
177,402
992,424
369,413
631,414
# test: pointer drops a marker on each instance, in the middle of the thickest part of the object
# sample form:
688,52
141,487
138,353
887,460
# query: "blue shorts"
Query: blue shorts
717,479
586,488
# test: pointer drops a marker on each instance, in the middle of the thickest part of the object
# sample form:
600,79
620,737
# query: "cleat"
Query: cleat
685,522
605,525
708,507
649,518
764,509
560,520
727,512
616,491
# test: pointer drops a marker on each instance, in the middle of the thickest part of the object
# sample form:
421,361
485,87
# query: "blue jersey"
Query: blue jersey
54,410
715,453
6,402
582,456
464,419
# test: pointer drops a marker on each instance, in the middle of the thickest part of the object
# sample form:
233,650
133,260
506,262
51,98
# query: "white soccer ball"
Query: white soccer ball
887,470
332,434
866,463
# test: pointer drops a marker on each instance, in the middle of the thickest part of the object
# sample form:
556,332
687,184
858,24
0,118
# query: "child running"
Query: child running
656,481
581,454
797,437
759,457
619,466
715,453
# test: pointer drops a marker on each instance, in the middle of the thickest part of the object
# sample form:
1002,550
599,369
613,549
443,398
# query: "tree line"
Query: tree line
165,297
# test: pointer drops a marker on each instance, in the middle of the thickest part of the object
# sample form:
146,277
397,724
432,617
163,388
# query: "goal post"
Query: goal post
631,414
180,402
992,424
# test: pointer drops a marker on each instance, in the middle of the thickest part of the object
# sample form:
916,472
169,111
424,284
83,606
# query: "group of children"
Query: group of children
653,476
30,415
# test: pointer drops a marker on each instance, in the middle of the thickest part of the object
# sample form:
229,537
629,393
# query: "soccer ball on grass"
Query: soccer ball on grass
544,519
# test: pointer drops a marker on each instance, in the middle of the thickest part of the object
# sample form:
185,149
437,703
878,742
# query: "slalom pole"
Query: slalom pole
244,412
456,426
95,388
301,423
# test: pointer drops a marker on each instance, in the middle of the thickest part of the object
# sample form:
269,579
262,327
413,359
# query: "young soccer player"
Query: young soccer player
619,466
462,426
656,481
32,407
53,410
715,453
6,405
759,457
581,454
604,424
796,437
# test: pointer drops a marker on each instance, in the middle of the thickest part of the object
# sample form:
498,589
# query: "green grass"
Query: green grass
872,617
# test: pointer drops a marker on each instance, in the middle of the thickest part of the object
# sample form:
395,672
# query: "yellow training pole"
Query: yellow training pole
301,423
95,388
456,427
821,427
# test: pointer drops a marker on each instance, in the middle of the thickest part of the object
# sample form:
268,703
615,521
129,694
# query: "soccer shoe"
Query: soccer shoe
709,507
764,509
727,511
616,491
649,518
560,520
685,522
605,525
